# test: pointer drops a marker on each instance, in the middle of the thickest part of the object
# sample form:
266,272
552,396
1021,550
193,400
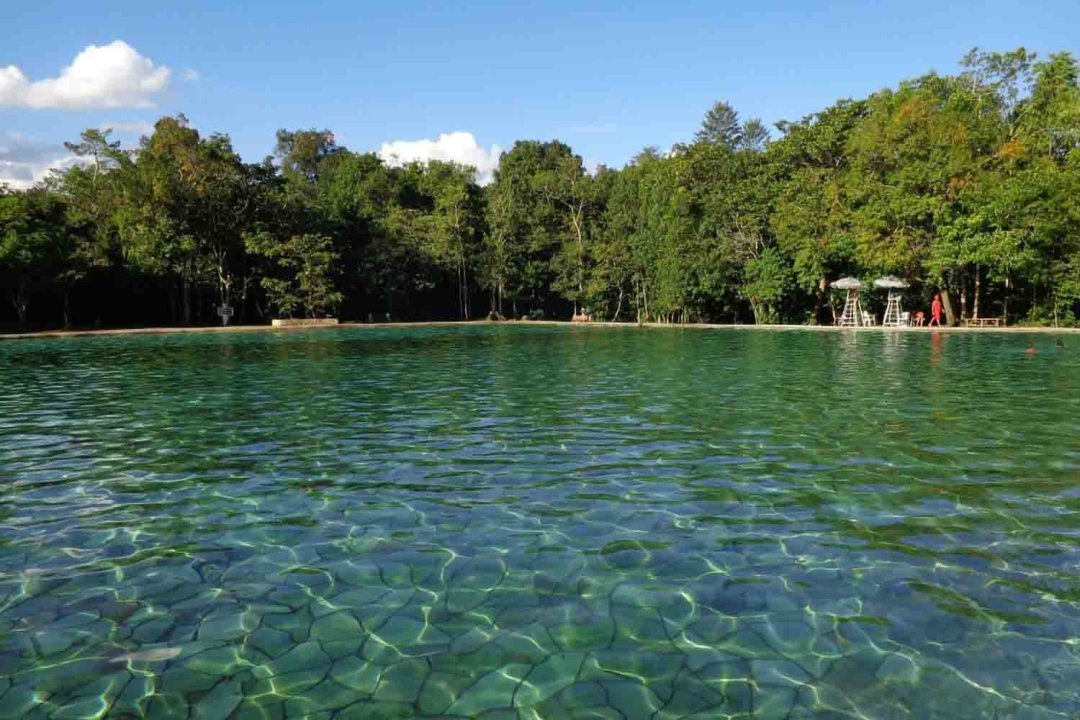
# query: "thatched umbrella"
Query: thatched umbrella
891,282
847,283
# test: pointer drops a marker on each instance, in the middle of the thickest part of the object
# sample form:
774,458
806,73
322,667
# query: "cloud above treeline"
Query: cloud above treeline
137,128
100,76
458,147
24,162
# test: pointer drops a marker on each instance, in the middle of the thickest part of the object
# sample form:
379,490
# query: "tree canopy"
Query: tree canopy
965,184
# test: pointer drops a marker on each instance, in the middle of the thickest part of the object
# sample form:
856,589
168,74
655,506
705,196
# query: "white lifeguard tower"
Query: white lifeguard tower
853,314
894,317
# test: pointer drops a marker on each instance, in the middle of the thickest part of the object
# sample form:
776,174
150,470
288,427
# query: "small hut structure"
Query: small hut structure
852,315
893,315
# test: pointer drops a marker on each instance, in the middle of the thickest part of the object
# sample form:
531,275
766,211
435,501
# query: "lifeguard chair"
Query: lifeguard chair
852,315
894,317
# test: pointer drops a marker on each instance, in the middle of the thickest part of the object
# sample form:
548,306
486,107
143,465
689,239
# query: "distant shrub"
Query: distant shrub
1043,315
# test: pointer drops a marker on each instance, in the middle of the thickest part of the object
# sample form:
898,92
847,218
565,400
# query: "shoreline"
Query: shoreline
43,334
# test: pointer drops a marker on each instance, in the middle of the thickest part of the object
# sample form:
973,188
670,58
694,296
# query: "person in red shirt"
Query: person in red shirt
935,312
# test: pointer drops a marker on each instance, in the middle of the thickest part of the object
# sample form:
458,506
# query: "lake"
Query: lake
540,522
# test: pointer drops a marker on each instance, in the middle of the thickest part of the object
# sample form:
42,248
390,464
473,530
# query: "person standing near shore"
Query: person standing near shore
935,312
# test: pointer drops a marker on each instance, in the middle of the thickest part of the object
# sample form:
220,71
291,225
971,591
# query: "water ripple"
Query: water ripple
539,523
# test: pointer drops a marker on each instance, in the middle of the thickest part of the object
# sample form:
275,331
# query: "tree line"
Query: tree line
967,185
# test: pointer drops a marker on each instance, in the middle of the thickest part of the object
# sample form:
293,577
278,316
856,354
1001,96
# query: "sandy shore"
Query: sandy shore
558,323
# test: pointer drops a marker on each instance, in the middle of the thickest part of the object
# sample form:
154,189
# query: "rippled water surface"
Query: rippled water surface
540,523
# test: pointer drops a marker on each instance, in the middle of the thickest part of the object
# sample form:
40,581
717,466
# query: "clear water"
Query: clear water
540,523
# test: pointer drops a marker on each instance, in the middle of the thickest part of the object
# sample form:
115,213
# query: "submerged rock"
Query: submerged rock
152,655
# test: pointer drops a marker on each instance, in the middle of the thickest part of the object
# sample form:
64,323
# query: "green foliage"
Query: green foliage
720,126
754,135
536,207
766,278
303,268
34,247
301,153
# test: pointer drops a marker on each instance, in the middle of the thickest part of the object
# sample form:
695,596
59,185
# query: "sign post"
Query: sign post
226,313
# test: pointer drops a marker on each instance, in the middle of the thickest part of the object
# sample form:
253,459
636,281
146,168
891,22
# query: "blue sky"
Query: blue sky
607,77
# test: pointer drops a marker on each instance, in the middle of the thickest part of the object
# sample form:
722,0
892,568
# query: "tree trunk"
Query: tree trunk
978,287
581,255
20,298
820,299
174,303
225,281
466,310
618,306
67,308
637,299
1005,307
946,302
461,289
185,299
243,298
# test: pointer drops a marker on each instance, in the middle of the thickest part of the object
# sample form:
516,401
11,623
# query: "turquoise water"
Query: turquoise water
543,522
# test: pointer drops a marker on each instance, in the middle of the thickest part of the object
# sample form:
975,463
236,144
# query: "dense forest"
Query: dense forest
968,185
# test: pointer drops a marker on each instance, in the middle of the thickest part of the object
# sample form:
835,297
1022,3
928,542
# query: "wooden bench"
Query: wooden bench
983,322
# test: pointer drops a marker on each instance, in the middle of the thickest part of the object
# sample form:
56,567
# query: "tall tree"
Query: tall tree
300,152
525,225
720,127
454,227
569,189
303,276
34,246
811,214
754,135
92,193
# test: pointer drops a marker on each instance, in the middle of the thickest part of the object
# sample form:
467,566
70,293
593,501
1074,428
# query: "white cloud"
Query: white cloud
106,76
24,162
192,75
459,147
138,127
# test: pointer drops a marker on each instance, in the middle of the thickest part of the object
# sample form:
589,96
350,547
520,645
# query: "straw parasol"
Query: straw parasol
847,283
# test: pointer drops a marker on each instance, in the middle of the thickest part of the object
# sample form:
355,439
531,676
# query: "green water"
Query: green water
540,523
